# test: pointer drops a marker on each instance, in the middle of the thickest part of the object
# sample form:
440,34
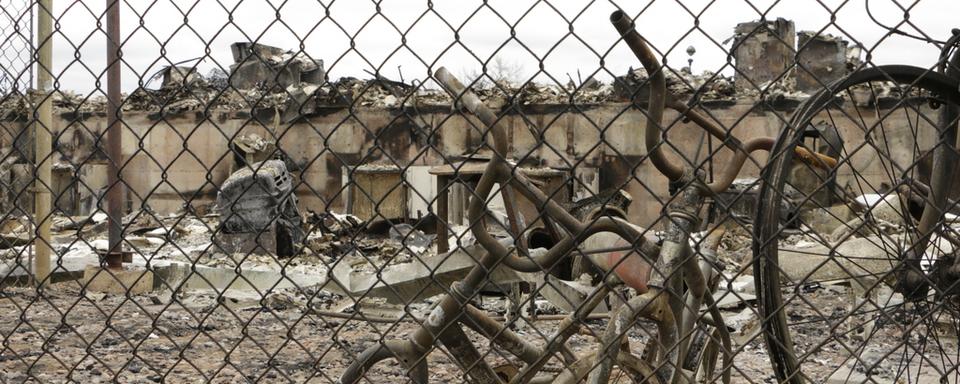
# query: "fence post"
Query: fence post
114,256
42,127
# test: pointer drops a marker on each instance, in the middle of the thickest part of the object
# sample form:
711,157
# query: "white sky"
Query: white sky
162,32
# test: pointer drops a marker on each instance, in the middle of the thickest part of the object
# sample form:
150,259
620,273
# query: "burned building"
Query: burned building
265,67
763,51
821,60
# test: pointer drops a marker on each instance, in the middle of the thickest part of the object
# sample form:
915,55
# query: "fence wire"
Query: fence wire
483,192
16,53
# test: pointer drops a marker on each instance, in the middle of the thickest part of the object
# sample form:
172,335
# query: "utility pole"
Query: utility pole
42,155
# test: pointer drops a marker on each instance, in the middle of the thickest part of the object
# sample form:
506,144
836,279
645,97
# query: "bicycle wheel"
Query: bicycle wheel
852,284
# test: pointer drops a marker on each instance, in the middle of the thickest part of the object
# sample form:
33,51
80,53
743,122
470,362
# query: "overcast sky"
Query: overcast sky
352,37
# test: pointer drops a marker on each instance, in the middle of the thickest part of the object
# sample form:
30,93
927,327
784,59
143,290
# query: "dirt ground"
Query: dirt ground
63,336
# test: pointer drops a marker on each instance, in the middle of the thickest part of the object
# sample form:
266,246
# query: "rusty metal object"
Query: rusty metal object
639,369
114,257
670,266
650,305
459,345
492,329
402,351
658,93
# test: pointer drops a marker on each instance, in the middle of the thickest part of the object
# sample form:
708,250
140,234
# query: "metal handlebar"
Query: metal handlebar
659,99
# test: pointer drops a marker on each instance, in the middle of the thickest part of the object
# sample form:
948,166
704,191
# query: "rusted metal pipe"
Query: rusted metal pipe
477,209
114,256
497,169
730,172
467,356
650,305
725,341
575,373
550,207
742,150
683,221
696,290
658,92
499,334
566,329
708,125
402,351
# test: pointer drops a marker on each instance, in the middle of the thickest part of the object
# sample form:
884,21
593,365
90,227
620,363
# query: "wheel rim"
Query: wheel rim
789,359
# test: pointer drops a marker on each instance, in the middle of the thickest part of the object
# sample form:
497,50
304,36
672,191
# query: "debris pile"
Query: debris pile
681,84
197,96
259,66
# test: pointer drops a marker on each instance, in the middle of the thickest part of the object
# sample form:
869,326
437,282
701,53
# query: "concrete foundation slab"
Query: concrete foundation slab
118,281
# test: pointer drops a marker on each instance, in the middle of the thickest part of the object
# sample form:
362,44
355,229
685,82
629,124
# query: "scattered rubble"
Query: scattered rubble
682,83
250,149
343,276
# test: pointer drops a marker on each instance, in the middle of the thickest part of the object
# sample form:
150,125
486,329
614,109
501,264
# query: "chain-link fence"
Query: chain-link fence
16,48
483,192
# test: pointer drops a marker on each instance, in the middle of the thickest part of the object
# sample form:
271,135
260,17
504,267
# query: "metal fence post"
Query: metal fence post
114,257
42,127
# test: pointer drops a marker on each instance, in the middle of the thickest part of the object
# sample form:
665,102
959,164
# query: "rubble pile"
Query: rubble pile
271,68
348,238
682,84
195,92
198,96
379,92
272,83
14,105
775,90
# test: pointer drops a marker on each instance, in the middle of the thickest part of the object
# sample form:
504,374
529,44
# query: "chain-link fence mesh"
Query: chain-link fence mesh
16,48
484,192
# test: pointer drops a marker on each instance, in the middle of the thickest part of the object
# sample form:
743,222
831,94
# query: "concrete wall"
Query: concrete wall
173,159
763,51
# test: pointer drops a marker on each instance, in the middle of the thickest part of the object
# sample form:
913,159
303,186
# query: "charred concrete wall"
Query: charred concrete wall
763,51
170,160
821,60
768,52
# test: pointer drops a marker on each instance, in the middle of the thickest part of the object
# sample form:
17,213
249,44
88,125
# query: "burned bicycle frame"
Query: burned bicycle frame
672,298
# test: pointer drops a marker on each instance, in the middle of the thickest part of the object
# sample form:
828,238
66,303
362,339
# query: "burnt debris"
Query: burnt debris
259,200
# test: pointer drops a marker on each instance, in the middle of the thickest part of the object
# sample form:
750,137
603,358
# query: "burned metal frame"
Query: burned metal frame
662,300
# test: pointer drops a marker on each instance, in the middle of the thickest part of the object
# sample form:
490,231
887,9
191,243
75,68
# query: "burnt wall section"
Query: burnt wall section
821,60
177,160
764,52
